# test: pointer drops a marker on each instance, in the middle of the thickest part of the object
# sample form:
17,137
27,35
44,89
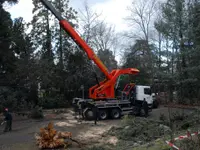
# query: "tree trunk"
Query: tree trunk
48,42
159,50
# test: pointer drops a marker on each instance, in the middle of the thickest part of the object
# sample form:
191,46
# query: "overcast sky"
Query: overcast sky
113,10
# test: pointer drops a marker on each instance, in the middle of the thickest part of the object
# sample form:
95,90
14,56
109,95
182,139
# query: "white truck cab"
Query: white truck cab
144,93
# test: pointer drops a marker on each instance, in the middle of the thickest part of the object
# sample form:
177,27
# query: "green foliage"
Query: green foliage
108,59
190,144
49,56
158,144
47,102
177,25
137,129
162,117
7,58
46,56
142,134
8,98
80,71
56,77
53,102
140,56
36,113
178,116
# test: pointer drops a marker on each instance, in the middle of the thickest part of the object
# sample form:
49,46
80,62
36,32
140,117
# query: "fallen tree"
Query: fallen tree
50,138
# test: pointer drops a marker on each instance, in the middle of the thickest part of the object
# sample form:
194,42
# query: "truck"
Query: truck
130,101
102,96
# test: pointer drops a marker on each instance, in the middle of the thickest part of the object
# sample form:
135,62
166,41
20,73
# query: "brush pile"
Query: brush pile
50,138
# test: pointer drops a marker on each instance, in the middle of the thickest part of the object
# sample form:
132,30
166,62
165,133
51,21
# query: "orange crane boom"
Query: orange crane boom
79,41
105,89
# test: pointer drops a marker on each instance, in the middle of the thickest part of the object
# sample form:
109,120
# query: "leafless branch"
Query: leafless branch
141,13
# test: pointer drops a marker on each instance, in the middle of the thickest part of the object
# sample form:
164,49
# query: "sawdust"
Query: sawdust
96,135
62,124
112,140
90,133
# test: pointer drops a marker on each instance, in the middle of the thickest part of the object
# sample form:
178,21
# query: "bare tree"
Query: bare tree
141,14
88,21
103,36
141,18
96,32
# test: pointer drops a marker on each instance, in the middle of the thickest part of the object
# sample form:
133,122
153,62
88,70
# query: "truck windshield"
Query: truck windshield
147,91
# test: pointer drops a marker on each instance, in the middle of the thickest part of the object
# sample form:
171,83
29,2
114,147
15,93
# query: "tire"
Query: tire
116,113
89,115
103,114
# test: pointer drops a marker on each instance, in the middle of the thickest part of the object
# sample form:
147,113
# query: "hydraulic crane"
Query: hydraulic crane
105,89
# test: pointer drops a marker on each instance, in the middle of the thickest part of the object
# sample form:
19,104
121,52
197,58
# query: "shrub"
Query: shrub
36,113
53,102
188,144
162,117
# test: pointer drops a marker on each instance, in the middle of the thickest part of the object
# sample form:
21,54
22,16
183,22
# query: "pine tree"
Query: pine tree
137,56
63,42
177,27
7,58
25,75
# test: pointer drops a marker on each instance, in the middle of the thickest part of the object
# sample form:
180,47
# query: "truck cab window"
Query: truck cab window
147,91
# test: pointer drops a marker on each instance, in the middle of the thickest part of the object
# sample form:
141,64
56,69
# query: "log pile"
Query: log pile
50,138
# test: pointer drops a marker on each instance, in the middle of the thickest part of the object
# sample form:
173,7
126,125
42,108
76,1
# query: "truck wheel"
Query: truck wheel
116,113
89,115
103,114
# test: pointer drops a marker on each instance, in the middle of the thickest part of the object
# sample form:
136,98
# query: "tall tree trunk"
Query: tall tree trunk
159,50
61,49
48,42
60,43
167,50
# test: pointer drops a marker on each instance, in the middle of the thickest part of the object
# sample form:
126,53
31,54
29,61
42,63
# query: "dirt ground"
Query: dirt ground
22,136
